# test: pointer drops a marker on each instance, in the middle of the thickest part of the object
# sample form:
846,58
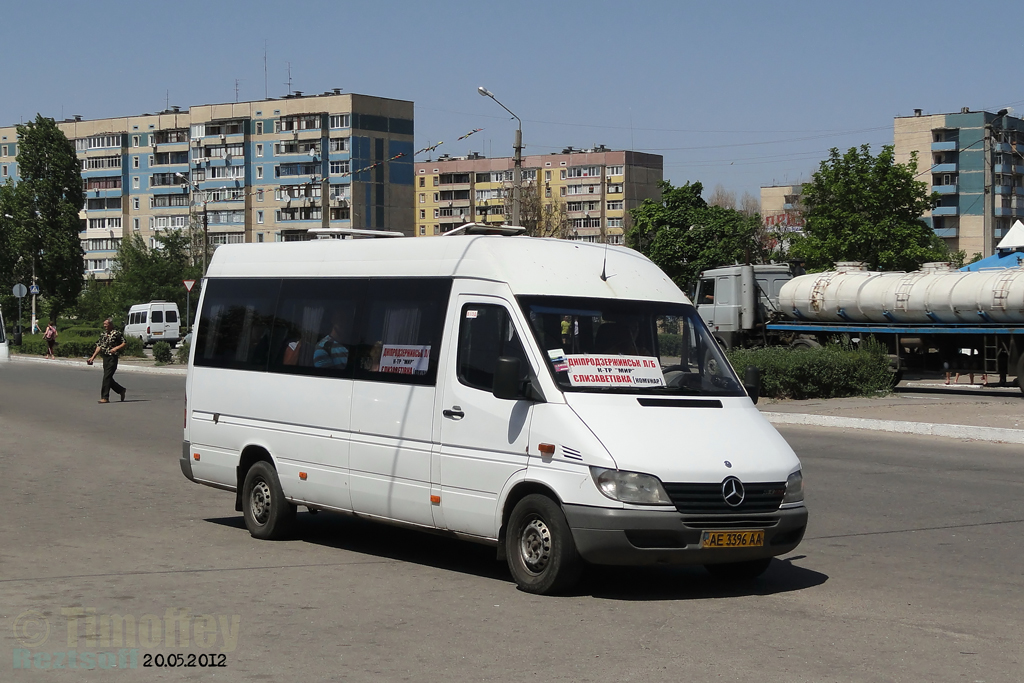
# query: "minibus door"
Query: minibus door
484,439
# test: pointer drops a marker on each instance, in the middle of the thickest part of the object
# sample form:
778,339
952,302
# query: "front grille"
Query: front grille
707,499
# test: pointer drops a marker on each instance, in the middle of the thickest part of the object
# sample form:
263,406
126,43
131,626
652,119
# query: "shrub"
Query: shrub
832,371
182,354
162,352
134,347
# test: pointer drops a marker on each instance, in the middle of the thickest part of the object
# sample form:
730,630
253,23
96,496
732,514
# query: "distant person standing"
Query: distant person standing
51,339
110,344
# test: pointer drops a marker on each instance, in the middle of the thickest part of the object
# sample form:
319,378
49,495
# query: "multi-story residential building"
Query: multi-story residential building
595,188
974,161
270,170
780,206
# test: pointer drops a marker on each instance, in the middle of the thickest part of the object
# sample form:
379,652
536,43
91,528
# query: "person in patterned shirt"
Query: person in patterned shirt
110,344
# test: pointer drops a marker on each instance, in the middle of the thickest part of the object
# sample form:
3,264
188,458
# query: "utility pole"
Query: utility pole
517,160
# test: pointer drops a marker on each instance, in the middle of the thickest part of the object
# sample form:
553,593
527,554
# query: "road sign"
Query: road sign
189,284
19,291
33,290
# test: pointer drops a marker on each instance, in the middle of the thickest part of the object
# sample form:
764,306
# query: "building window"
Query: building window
423,181
561,191
614,222
5,152
135,162
259,237
5,169
150,159
615,206
615,189
259,195
437,196
614,170
563,174
423,230
135,224
259,150
339,167
435,181
437,213
423,212
423,198
135,203
259,173
259,217
135,183
547,176
436,228
547,191
259,131
340,121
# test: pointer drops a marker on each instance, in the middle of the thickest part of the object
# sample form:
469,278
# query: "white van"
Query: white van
153,322
559,400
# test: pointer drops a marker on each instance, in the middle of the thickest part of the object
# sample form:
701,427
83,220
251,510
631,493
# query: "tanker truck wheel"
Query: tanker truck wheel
805,344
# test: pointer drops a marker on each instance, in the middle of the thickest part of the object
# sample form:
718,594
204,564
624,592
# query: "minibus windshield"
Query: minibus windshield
642,347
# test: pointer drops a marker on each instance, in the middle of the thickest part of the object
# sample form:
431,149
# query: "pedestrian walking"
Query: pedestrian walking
110,344
51,339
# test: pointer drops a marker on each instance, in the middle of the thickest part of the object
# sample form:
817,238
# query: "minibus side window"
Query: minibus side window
172,317
236,322
400,330
315,327
485,333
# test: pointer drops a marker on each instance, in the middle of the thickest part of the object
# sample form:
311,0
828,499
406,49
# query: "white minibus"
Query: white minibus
561,401
153,322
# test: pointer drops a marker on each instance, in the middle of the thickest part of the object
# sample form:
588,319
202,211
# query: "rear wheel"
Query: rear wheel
739,571
805,344
539,546
268,515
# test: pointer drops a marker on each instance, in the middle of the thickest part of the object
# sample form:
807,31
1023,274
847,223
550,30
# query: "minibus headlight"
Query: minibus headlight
794,488
630,487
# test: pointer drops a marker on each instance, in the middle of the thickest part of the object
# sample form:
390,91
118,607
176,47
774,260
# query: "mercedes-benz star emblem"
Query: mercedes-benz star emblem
732,492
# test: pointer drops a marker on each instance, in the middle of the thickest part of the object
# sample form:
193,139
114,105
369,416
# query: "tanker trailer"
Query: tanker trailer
935,318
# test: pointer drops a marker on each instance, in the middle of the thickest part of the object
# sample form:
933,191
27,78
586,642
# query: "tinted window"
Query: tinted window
142,316
401,330
236,324
485,333
172,317
158,316
315,329
706,295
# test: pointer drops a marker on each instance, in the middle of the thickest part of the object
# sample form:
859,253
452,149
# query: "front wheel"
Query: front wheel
539,546
268,515
739,571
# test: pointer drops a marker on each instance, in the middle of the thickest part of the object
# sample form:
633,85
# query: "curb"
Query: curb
121,367
996,434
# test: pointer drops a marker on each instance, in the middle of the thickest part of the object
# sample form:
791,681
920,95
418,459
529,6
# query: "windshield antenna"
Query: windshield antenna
604,266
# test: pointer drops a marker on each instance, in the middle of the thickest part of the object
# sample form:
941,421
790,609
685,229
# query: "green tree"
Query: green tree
44,233
143,274
860,207
683,235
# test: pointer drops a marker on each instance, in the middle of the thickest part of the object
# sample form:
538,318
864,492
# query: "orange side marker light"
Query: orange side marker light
195,456
302,476
546,448
435,500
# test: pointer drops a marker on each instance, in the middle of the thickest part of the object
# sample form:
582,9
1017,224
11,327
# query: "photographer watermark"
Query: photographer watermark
93,639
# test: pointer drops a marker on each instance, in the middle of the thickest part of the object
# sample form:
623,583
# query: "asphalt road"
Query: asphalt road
912,570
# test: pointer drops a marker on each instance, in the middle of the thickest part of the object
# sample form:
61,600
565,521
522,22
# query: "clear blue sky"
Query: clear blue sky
741,94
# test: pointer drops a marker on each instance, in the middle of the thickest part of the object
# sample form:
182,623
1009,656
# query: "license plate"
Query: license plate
738,538
156,333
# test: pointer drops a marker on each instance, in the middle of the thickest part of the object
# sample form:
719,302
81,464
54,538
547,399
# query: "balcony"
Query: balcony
947,146
944,168
1002,147
945,211
1007,168
944,189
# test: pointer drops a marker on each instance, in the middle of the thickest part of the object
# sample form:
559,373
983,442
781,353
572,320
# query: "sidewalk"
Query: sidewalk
919,406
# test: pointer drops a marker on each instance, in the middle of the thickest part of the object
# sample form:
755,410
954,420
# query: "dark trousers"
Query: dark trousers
109,368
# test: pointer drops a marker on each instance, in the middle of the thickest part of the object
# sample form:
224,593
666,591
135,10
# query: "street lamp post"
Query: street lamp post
517,160
206,224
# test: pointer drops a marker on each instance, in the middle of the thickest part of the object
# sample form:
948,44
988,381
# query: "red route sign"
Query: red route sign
189,284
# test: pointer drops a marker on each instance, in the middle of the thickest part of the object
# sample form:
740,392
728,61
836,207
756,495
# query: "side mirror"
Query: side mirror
506,379
752,382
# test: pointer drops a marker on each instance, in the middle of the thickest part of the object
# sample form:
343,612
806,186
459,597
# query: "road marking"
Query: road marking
953,431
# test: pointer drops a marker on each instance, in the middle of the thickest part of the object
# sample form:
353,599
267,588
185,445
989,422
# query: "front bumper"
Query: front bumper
647,537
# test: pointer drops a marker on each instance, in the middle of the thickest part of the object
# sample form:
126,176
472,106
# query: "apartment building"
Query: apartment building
781,208
973,160
591,190
269,170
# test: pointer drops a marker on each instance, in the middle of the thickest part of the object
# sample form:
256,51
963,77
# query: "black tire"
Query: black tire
739,571
268,515
1020,373
805,344
539,547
